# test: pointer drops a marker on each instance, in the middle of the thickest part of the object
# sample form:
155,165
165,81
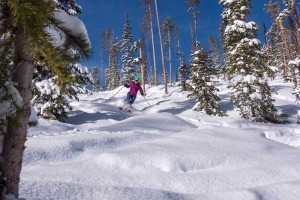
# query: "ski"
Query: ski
127,110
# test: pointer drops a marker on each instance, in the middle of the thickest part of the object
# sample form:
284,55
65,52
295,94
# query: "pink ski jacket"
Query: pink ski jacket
134,88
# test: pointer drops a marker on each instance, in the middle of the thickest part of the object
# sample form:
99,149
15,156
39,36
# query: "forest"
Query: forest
41,70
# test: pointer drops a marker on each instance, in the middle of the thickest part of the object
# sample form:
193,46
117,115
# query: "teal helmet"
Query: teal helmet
136,78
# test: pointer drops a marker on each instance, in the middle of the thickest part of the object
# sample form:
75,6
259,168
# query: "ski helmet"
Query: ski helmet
136,78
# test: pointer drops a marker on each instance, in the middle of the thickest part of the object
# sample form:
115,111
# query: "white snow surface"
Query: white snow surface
166,151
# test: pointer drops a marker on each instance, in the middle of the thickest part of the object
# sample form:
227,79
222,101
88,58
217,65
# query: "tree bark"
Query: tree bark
153,47
196,31
14,143
288,51
142,70
297,23
170,57
161,49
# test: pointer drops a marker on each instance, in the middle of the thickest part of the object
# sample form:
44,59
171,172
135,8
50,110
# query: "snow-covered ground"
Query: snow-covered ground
166,151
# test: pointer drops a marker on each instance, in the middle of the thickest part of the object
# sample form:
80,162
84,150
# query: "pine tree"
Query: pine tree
114,77
202,83
48,98
112,74
95,73
70,6
245,65
183,69
215,53
183,75
128,71
107,79
27,22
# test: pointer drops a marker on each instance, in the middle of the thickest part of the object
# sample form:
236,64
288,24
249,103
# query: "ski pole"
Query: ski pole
117,92
147,101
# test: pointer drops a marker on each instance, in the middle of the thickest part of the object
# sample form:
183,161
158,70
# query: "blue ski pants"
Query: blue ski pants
130,98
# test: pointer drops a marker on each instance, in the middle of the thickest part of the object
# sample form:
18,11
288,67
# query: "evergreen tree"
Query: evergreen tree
215,53
245,65
184,69
128,71
27,23
183,75
202,83
113,75
47,97
95,73
70,6
107,79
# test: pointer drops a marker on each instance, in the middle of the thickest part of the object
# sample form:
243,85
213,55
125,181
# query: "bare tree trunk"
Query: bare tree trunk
142,71
265,34
192,36
14,143
177,37
297,23
283,62
196,31
288,51
153,47
161,49
170,57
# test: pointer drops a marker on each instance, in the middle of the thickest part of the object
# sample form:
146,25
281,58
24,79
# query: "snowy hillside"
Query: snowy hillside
166,151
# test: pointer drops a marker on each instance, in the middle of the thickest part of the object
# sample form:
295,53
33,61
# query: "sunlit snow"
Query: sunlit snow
166,151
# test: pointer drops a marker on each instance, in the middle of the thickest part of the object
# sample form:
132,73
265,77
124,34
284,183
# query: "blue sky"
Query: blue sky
98,15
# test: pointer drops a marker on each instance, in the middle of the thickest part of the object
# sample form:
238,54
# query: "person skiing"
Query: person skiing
134,86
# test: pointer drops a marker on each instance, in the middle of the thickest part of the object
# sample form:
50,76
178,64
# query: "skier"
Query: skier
134,86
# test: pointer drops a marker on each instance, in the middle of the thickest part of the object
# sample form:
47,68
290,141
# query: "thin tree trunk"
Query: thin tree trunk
170,57
149,77
177,37
284,62
101,72
161,49
297,23
142,70
265,35
196,31
153,47
192,35
14,143
288,50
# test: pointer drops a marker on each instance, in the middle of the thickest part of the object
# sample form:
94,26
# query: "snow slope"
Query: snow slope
166,151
